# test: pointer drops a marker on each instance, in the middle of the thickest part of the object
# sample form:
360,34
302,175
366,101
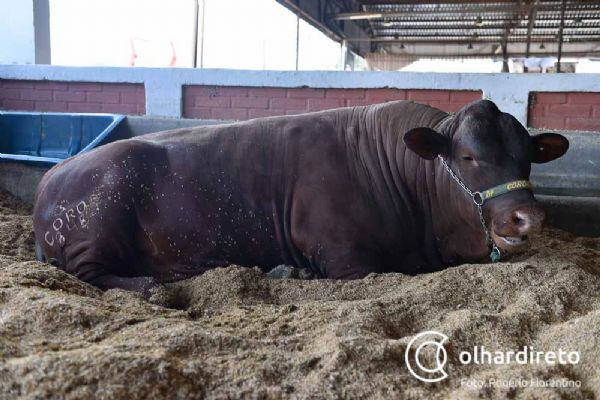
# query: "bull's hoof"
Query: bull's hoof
289,272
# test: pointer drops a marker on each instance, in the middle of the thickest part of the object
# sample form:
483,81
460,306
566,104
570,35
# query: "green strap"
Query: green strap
482,197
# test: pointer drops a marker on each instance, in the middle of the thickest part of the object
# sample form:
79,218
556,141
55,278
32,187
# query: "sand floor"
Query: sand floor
235,333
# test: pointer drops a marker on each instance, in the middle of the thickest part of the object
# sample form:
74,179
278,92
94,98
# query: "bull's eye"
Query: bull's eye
467,158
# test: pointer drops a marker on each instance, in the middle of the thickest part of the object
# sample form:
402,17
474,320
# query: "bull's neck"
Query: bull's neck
456,229
413,193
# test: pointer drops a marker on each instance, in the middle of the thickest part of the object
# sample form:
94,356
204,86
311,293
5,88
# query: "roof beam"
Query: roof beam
437,40
405,2
479,10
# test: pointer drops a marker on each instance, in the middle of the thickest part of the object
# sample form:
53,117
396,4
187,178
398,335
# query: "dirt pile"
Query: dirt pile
233,332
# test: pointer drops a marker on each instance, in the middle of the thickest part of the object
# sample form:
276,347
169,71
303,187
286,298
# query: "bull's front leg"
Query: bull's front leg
355,263
139,284
284,271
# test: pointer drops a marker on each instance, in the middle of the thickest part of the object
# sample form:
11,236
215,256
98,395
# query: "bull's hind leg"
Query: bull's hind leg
90,225
107,263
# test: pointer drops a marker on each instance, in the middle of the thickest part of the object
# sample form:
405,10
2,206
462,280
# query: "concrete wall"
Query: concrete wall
176,92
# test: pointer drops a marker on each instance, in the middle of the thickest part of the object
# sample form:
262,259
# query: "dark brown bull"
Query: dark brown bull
339,192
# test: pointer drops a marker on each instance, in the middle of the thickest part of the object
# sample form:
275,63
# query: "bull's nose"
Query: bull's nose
527,220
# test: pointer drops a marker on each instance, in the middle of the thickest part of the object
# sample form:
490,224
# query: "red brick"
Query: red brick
233,91
379,95
103,97
449,107
551,122
359,102
55,106
324,104
214,91
305,93
216,101
345,93
16,84
465,96
260,113
51,85
121,87
596,111
26,105
538,111
294,112
36,94
69,96
202,112
187,103
583,124
133,98
549,98
193,89
10,93
250,102
267,92
229,113
288,104
84,107
583,98
83,86
426,95
188,99
570,110
128,109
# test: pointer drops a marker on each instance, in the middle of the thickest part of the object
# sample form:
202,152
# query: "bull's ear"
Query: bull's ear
547,147
426,142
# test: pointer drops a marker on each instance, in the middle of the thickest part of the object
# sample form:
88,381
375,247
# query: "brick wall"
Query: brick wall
240,103
25,95
569,110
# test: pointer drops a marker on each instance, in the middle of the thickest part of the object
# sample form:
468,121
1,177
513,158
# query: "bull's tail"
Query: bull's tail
39,255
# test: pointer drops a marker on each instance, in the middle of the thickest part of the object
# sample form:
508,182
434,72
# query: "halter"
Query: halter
481,197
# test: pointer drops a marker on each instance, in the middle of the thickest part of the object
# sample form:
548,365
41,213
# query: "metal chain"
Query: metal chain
456,178
478,200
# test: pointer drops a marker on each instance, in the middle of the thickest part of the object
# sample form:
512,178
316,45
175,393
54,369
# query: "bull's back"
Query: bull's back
180,199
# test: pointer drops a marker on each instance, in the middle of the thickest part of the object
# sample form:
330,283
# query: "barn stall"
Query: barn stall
235,332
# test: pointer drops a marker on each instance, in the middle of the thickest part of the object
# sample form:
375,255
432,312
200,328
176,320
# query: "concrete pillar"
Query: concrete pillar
41,25
163,98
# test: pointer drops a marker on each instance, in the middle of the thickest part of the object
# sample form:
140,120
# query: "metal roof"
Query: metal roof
509,28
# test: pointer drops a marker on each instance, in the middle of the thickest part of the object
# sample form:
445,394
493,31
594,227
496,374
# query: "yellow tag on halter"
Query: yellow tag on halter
481,197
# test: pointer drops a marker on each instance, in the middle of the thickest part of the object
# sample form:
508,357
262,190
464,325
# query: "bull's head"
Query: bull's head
487,149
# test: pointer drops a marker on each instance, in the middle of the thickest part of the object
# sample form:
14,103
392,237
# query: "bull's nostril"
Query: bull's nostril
518,220
522,221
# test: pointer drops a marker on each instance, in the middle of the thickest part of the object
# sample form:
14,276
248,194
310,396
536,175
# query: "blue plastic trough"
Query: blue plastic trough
52,137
